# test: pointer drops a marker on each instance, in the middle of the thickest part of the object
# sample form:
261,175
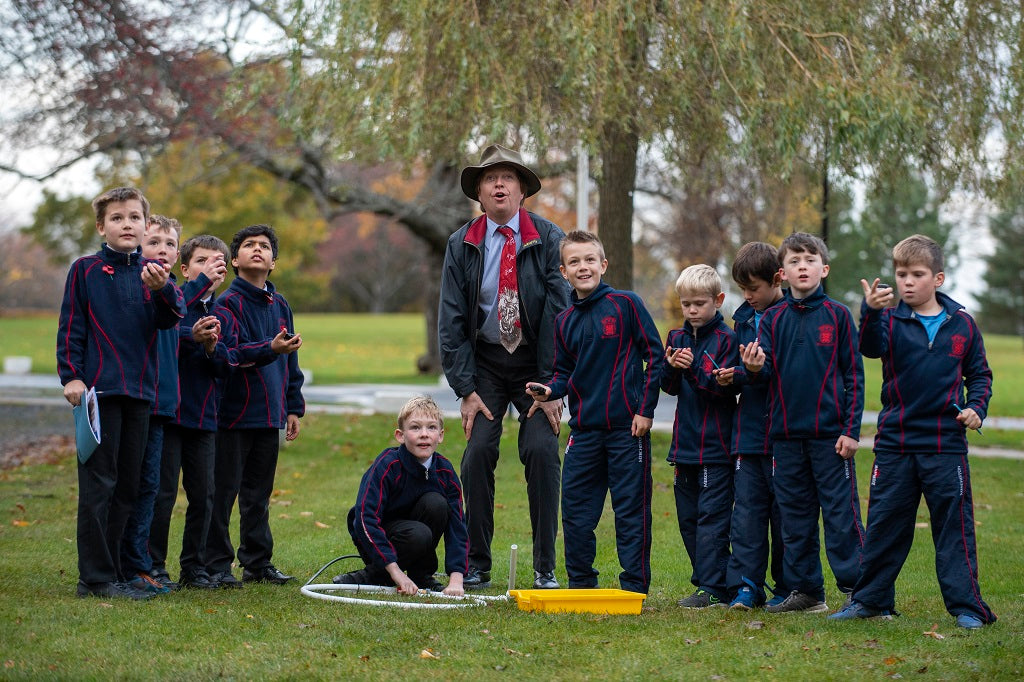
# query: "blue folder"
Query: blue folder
87,425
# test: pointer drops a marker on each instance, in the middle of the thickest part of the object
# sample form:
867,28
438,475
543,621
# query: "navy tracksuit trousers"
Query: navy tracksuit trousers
755,518
897,483
810,477
595,462
704,497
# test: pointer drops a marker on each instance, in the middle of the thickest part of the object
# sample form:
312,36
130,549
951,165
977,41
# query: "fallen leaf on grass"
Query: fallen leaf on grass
106,605
692,641
921,524
20,506
894,676
755,625
319,524
933,633
892,660
498,505
364,657
283,503
429,653
923,670
284,516
306,513
512,652
21,523
872,644
303,626
8,664
249,615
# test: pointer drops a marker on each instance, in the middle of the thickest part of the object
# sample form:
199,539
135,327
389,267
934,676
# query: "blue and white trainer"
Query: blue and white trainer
744,600
969,622
855,610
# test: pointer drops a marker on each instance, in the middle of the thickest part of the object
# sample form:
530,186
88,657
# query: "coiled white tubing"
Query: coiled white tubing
322,591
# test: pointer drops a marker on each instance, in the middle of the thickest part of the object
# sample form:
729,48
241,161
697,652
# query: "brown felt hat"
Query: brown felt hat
493,156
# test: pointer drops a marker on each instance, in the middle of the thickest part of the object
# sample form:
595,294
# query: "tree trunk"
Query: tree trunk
615,205
430,362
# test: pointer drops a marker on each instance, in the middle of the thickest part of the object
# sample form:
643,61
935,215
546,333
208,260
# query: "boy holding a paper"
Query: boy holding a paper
114,303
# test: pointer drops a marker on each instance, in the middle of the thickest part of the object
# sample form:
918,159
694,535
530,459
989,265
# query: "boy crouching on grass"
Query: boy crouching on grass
936,384
408,498
114,304
608,359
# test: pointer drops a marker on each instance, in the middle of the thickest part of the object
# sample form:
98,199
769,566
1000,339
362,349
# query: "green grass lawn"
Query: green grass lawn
265,632
383,349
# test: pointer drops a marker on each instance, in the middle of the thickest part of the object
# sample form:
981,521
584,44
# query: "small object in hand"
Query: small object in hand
670,350
287,334
884,286
537,389
959,409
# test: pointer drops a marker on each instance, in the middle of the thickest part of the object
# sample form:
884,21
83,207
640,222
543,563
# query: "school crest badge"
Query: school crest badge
959,346
826,335
609,327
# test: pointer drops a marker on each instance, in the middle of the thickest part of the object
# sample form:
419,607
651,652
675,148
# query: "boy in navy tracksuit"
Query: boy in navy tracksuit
261,396
807,354
408,499
160,243
932,352
114,303
702,432
756,272
602,343
190,438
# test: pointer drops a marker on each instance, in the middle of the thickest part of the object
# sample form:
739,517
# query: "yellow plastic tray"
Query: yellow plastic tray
579,601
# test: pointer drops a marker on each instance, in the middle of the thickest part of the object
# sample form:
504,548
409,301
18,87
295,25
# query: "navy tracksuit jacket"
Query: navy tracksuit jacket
920,448
701,448
815,382
265,387
608,360
755,509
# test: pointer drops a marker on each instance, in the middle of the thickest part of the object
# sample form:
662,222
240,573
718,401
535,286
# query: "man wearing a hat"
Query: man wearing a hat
500,292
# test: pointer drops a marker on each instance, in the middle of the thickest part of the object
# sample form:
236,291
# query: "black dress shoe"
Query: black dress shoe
267,574
364,576
476,579
544,580
225,579
197,580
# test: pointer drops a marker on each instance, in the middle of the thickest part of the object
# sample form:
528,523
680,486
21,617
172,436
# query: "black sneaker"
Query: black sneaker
226,579
701,599
113,591
476,579
198,579
544,580
161,576
798,601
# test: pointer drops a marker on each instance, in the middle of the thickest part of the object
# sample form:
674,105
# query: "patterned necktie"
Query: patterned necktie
509,328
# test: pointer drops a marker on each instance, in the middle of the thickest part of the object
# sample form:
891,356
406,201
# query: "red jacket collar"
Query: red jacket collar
527,230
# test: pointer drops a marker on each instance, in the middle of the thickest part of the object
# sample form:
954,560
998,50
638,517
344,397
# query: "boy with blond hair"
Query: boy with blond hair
114,304
936,384
702,431
408,499
806,353
608,358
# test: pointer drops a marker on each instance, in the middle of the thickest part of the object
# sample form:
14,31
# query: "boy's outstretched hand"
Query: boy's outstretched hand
155,275
876,296
680,358
552,410
846,447
403,582
285,343
752,356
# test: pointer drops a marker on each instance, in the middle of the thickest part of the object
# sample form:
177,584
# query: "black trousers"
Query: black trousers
107,485
189,453
414,539
245,468
501,379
